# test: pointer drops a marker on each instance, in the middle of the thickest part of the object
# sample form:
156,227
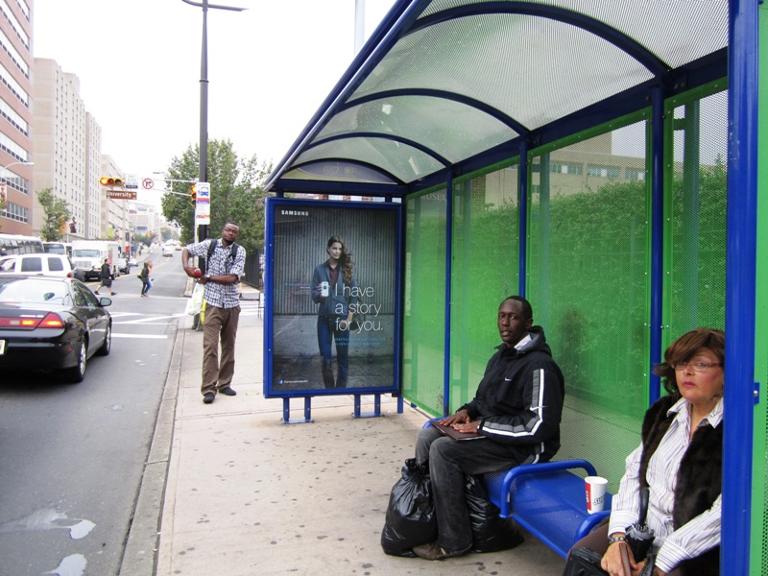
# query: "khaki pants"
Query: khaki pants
220,323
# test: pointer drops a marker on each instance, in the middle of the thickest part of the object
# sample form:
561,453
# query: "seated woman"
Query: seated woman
680,461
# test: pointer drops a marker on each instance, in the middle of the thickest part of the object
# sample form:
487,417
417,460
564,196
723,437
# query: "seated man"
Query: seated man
516,408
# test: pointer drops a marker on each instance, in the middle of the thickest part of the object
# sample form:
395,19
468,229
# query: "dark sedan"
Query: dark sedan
51,323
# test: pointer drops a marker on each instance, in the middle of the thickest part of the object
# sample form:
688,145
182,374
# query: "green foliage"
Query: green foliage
236,193
55,215
145,238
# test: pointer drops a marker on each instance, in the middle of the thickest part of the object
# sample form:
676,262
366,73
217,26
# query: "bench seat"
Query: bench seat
548,500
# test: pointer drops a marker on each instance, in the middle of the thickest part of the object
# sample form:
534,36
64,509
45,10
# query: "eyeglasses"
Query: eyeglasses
695,366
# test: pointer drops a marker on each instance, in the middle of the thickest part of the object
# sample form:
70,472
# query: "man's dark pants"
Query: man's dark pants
449,461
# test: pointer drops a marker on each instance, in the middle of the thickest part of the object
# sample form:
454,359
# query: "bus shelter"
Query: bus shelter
600,158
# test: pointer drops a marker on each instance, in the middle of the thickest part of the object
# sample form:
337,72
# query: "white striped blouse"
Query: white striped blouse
696,536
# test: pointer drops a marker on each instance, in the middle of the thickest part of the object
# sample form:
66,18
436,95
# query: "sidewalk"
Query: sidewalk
246,494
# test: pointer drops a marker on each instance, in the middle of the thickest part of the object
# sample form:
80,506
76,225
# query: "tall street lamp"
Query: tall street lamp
204,93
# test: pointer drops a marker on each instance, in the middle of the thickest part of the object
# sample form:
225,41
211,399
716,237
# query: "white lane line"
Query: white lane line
148,336
121,314
153,319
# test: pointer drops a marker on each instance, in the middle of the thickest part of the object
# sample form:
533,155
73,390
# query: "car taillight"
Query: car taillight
50,320
70,275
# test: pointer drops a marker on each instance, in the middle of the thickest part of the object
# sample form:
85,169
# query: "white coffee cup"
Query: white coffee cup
324,289
595,487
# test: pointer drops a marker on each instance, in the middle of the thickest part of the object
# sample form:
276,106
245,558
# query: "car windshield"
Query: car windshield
82,253
31,291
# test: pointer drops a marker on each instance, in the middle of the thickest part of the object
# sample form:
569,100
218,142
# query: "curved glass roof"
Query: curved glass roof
443,83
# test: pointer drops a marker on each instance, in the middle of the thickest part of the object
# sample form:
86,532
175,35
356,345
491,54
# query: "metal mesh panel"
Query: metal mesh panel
697,214
424,301
484,271
523,44
337,171
658,24
587,281
422,118
405,162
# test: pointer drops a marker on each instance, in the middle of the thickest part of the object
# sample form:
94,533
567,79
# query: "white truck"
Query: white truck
89,255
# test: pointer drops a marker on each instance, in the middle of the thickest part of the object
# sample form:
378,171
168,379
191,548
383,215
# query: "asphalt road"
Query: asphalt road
72,455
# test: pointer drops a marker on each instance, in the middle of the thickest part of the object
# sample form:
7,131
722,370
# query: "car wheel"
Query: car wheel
107,345
77,372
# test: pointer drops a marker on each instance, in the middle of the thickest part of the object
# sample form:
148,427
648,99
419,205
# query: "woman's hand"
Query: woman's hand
613,563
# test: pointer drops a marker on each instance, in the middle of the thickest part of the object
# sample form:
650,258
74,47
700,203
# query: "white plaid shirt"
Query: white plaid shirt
220,295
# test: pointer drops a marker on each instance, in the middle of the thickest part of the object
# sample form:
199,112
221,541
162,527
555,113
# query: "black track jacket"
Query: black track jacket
520,398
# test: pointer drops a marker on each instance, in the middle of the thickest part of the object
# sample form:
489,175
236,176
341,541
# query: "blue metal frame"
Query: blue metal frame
522,198
273,204
657,237
335,187
740,285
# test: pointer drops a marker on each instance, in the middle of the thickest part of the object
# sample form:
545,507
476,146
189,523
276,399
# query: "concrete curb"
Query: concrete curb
141,548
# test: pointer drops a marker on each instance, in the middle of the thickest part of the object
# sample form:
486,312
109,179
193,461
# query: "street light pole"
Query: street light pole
203,162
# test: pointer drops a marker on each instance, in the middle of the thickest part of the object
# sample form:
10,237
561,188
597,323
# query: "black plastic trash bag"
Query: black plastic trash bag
410,517
490,532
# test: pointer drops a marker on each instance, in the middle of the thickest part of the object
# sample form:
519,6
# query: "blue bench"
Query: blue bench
546,499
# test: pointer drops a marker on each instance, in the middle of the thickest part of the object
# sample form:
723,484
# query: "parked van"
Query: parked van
89,255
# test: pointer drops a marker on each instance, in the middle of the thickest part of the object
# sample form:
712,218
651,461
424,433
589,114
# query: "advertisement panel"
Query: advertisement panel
332,284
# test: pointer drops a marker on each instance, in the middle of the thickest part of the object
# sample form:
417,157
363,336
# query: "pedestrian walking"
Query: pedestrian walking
146,280
105,277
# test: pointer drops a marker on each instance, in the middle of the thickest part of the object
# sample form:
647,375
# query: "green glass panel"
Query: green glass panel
424,301
588,258
696,212
484,271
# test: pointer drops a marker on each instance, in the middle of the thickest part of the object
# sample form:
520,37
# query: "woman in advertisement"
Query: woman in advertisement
333,289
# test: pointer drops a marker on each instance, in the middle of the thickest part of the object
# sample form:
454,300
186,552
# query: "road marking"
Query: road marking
153,319
121,314
149,336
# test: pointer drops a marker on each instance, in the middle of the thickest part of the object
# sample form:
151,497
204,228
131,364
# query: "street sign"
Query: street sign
121,194
203,204
147,183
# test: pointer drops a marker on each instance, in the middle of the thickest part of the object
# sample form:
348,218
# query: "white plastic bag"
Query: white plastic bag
195,302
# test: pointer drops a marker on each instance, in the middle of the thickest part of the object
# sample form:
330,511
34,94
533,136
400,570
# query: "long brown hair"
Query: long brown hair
685,348
345,260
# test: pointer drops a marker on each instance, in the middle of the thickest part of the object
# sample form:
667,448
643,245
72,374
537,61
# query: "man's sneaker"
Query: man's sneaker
227,391
433,551
208,397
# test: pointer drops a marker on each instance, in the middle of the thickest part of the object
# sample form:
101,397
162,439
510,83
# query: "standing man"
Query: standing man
516,409
225,263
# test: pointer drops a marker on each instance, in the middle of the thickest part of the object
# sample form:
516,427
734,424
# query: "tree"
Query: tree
236,193
55,215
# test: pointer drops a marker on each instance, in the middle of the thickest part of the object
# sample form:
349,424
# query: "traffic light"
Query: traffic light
193,193
111,181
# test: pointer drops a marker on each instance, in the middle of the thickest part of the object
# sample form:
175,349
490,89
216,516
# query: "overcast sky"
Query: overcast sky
138,61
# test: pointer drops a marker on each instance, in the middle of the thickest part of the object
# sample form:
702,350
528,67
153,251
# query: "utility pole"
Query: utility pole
202,231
